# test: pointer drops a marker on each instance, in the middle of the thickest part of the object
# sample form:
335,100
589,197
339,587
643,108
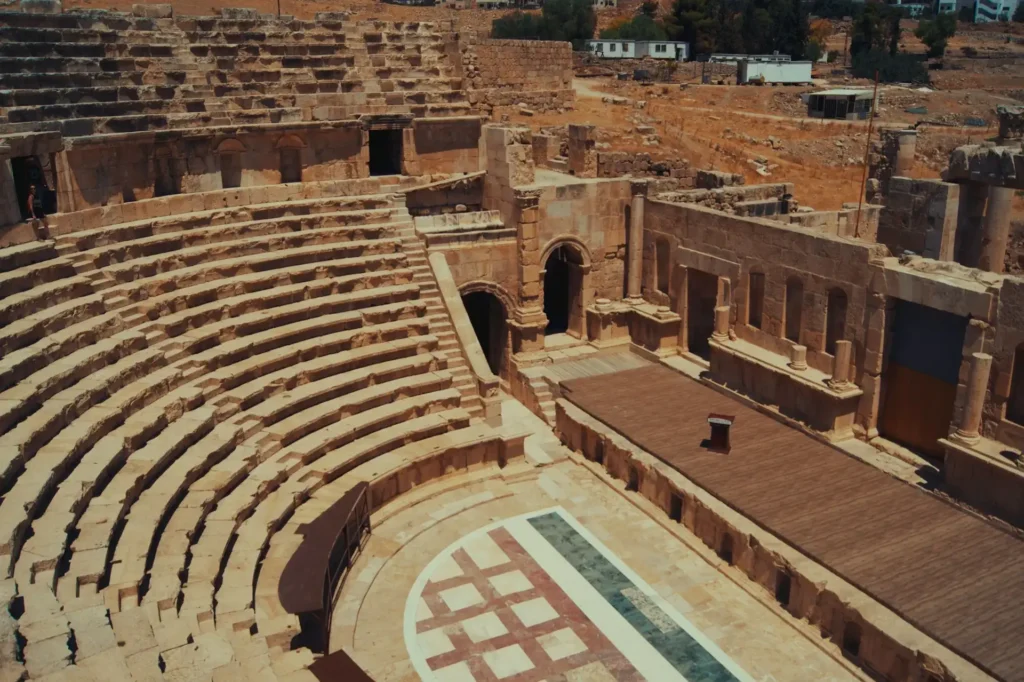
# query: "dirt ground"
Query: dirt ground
761,132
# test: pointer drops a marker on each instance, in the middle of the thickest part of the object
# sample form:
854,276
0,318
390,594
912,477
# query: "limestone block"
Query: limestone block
41,6
159,11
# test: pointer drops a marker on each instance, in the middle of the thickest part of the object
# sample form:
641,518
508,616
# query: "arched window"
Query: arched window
664,257
1015,406
794,308
835,319
755,299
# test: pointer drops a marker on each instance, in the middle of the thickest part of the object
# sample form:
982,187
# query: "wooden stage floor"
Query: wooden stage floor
954,576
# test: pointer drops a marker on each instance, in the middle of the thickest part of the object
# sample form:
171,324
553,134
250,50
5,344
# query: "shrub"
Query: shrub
898,68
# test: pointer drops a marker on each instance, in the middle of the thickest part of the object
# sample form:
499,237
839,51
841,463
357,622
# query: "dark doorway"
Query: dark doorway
230,170
633,484
851,640
385,152
563,291
725,549
921,376
291,165
783,586
835,319
27,171
675,511
487,315
166,180
701,299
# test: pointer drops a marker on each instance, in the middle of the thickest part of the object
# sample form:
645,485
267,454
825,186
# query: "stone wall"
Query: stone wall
920,216
591,215
642,164
444,145
493,263
731,247
508,72
101,172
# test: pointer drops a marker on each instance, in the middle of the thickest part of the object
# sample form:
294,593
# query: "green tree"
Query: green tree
899,68
877,27
935,33
649,9
689,21
516,25
641,27
755,29
1018,14
569,20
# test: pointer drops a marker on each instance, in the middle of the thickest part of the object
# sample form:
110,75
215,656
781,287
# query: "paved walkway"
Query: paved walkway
951,574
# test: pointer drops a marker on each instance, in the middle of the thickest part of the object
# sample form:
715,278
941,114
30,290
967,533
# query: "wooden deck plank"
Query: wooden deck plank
953,575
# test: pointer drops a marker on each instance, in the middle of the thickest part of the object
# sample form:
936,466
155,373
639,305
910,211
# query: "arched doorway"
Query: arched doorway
563,291
488,316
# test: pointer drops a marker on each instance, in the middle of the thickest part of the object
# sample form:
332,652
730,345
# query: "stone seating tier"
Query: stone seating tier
174,390
76,61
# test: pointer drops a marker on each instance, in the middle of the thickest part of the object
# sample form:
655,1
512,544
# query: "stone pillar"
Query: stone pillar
582,151
635,249
996,230
977,385
969,221
798,357
721,332
528,320
841,366
906,147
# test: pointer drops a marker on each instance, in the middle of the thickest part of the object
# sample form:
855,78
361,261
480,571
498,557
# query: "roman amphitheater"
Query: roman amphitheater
317,369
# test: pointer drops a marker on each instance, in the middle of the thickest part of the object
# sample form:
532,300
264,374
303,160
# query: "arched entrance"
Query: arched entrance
487,315
563,291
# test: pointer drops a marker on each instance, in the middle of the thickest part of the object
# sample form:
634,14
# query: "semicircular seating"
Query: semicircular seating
178,395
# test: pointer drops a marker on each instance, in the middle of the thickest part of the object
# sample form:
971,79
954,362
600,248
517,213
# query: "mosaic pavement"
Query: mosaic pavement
537,597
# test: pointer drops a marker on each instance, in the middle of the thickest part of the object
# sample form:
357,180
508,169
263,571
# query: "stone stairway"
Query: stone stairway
439,321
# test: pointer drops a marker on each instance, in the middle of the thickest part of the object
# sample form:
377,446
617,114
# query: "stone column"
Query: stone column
798,357
528,319
996,230
841,366
582,151
635,249
906,147
721,332
977,385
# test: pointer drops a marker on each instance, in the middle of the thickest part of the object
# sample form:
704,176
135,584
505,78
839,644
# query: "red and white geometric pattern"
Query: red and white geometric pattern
490,613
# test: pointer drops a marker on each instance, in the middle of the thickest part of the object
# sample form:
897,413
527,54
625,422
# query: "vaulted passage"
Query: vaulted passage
488,316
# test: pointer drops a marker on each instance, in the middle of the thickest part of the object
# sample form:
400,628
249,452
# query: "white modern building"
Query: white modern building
773,73
994,10
724,58
946,7
913,8
635,49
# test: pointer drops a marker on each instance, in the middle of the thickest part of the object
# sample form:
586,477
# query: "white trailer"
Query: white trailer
770,73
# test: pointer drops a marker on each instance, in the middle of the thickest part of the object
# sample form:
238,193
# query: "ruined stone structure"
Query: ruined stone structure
285,262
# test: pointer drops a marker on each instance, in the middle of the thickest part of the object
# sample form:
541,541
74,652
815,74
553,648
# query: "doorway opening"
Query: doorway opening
385,152
230,170
851,640
675,511
291,165
563,291
920,379
633,484
28,171
725,549
488,316
701,299
783,586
